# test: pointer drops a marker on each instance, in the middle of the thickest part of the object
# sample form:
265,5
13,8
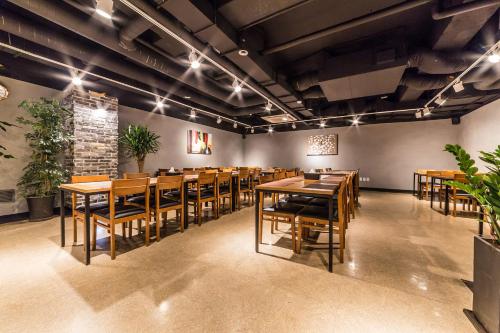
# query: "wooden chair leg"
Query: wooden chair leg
124,232
292,223
139,226
454,207
261,222
130,229
147,226
199,213
112,244
272,225
158,221
298,244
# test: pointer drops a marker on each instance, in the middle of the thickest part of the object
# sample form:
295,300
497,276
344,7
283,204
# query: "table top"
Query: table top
326,186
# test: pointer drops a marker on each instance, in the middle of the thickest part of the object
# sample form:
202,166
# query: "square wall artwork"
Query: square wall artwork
322,145
199,142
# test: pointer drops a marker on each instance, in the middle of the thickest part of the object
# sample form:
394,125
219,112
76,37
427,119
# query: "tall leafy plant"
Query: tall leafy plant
47,139
484,187
3,150
138,141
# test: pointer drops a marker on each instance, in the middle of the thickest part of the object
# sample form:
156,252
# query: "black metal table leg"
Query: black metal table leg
257,210
330,234
481,218
419,187
413,191
186,206
446,198
87,229
63,215
432,191
235,192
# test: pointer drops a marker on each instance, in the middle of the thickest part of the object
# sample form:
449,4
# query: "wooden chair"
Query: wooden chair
425,185
169,196
457,195
316,218
120,213
318,170
135,175
205,191
244,183
290,173
224,190
78,211
328,169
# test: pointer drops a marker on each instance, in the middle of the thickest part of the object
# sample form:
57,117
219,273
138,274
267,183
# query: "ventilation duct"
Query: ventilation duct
437,62
305,81
425,81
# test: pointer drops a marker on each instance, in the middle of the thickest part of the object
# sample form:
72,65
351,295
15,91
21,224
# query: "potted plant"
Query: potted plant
3,150
138,141
485,188
47,139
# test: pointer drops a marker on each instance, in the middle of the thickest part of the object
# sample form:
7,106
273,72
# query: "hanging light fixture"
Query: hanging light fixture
252,130
418,114
270,129
235,125
494,58
219,120
76,80
355,122
322,123
439,100
236,86
426,111
104,8
269,106
159,104
458,87
192,114
194,60
299,101
294,126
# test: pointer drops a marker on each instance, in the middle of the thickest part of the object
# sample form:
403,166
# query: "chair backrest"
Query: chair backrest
431,173
211,171
290,174
281,175
224,179
187,169
125,187
256,173
266,178
244,173
135,175
89,179
169,183
206,179
189,172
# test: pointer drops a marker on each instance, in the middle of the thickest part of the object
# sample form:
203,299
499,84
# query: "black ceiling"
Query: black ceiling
339,57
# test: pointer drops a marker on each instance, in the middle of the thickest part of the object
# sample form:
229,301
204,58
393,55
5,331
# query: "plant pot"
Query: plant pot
486,300
41,208
140,165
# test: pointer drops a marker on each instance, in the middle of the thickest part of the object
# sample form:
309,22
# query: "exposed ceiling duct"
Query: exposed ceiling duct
464,8
432,62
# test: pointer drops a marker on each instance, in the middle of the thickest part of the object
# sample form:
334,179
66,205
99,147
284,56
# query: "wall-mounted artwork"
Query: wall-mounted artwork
322,145
199,142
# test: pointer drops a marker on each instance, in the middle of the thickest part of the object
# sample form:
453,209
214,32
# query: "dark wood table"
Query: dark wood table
326,187
446,193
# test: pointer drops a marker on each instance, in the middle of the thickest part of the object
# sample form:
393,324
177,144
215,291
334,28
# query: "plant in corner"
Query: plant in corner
3,150
485,188
138,141
47,139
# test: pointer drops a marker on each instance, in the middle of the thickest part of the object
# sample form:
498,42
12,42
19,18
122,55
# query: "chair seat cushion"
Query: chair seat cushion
166,202
283,207
299,199
317,212
224,189
322,202
93,207
204,194
120,211
140,199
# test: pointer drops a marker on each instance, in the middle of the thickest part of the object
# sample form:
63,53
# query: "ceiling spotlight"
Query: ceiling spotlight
219,120
355,121
322,123
299,101
269,106
270,130
243,52
235,125
159,104
104,8
426,111
194,60
187,97
252,130
236,86
294,126
192,114
418,114
76,81
439,100
494,58
458,87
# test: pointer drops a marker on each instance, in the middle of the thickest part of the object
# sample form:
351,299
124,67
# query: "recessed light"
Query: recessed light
299,102
187,97
494,58
243,52
76,81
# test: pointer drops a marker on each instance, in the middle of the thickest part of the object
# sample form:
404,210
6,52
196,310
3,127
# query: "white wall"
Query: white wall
480,131
228,147
386,153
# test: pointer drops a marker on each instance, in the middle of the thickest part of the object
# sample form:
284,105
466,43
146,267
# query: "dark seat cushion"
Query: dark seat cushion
299,199
224,189
317,212
166,202
120,211
283,207
322,202
93,207
204,194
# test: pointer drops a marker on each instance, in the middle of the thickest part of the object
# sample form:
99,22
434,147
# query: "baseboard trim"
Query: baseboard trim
385,190
23,216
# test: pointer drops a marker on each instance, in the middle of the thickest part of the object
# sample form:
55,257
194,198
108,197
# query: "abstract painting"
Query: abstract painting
322,145
199,142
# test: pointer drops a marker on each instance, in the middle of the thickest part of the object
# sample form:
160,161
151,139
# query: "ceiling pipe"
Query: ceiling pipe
396,9
462,9
171,29
87,28
18,26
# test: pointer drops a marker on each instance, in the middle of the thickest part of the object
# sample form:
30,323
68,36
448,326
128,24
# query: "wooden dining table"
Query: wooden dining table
326,187
104,187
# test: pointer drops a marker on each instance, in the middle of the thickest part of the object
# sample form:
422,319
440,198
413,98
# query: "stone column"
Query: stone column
94,124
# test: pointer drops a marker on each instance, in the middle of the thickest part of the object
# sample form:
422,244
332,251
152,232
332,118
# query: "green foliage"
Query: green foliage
139,141
3,150
47,139
485,188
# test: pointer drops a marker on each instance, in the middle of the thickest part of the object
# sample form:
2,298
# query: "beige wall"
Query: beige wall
228,147
386,153
480,130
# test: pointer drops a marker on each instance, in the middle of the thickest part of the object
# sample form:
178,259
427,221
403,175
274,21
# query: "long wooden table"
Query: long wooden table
326,187
93,188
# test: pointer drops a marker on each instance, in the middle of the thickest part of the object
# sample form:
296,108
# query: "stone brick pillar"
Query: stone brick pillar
94,124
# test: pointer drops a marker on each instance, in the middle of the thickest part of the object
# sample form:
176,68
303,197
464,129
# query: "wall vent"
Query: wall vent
7,195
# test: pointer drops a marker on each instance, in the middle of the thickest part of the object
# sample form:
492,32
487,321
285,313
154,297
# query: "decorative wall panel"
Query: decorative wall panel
326,144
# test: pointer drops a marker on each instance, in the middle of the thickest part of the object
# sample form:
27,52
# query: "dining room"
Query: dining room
256,166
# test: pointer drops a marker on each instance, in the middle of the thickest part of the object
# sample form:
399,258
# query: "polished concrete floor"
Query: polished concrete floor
402,273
